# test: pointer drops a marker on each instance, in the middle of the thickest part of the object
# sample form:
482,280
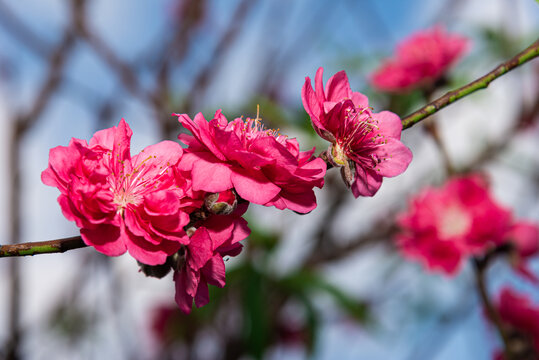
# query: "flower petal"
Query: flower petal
395,158
253,186
104,238
366,183
200,249
183,281
214,271
389,124
209,175
338,87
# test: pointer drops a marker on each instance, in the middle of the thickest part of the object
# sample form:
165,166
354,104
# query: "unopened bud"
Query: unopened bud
173,262
348,173
223,203
157,271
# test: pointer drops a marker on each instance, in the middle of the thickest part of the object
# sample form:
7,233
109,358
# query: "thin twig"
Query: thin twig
124,70
480,267
42,247
201,82
528,54
432,128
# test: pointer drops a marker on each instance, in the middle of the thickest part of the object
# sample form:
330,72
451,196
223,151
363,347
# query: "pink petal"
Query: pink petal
209,175
305,156
329,105
200,249
367,182
134,223
389,124
207,132
202,296
313,170
220,229
319,85
228,141
104,238
69,211
104,138
48,177
146,252
226,230
395,158
253,186
360,100
183,299
311,103
302,202
444,256
201,130
249,159
231,250
525,236
272,149
292,146
191,141
122,141
161,202
241,231
62,162
214,271
158,157
189,158
187,123
338,87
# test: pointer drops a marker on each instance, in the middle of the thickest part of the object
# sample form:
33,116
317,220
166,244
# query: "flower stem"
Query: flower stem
480,267
42,247
529,53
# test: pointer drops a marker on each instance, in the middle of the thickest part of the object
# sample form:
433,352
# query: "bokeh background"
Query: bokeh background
327,285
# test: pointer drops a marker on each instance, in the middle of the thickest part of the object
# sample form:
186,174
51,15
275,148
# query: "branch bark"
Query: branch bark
480,267
42,247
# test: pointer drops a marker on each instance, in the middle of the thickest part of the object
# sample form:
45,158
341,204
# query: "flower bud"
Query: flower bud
223,203
157,271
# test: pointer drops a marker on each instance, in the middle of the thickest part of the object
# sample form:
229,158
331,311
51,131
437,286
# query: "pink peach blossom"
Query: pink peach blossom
202,260
420,60
122,202
445,225
364,144
166,322
261,165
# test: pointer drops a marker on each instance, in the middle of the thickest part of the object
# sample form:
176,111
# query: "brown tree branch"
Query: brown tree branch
42,247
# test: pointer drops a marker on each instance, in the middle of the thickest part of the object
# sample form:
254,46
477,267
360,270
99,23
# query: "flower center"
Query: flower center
453,222
338,154
130,186
251,129
359,127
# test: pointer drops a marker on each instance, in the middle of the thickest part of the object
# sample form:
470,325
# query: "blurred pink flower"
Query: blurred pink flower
166,323
202,261
121,202
524,236
522,321
364,144
420,60
442,226
262,166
